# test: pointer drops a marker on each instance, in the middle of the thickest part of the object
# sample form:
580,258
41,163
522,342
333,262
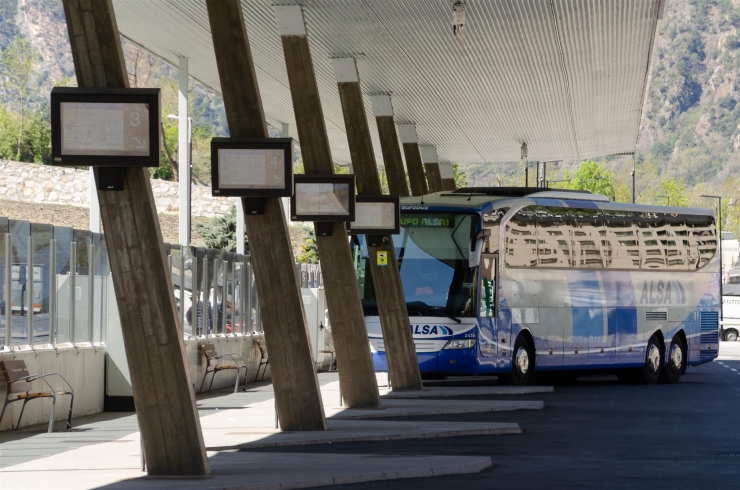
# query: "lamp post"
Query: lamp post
185,182
719,227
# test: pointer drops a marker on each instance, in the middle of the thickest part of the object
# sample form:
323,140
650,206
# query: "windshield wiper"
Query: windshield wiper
422,307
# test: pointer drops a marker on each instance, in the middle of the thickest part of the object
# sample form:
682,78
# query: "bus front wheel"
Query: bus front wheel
522,364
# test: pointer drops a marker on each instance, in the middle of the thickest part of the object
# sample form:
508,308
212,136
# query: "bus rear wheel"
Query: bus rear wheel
653,362
676,362
522,364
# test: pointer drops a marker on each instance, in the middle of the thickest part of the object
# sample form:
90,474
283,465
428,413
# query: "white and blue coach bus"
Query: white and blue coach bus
507,281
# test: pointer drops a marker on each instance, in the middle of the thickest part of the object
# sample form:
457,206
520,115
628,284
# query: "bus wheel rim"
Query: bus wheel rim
654,358
522,361
676,356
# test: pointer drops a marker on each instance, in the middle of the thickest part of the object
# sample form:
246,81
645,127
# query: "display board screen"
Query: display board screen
322,199
105,127
375,215
257,169
90,128
252,167
332,199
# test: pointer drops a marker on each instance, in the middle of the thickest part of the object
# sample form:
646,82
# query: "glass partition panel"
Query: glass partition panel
20,280
82,286
63,237
42,235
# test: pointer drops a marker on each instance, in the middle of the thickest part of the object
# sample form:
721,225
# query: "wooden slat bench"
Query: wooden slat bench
19,384
264,360
214,365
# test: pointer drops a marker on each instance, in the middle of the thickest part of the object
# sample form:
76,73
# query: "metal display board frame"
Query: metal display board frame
324,179
285,144
395,200
149,96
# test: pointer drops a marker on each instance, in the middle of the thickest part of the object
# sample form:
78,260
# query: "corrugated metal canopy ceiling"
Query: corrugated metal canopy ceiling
565,76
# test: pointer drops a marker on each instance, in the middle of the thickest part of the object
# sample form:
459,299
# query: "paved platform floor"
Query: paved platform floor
103,451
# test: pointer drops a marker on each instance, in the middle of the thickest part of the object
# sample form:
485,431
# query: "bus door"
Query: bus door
488,308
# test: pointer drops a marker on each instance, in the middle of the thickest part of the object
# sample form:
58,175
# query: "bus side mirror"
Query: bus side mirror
476,247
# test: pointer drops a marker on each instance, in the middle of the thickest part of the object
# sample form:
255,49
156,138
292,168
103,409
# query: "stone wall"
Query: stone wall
59,185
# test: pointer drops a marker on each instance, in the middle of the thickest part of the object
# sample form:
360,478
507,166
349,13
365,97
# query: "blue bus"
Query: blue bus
508,281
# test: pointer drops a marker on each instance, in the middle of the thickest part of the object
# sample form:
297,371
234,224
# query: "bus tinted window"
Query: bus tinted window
589,238
559,237
521,239
553,237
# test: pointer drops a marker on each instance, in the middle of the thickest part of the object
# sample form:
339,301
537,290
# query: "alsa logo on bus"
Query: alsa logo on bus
662,293
431,330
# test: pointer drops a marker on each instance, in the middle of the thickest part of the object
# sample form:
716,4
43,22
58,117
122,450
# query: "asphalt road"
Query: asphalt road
598,433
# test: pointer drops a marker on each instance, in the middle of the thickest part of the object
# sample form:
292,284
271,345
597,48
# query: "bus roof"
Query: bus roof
478,199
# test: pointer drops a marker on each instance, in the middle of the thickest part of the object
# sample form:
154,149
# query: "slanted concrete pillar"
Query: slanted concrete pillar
403,366
383,111
356,372
448,176
291,365
161,384
431,167
410,142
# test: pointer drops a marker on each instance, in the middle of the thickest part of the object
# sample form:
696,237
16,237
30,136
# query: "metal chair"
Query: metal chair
19,384
209,350
264,360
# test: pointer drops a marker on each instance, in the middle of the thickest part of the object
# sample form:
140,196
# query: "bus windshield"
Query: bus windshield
432,252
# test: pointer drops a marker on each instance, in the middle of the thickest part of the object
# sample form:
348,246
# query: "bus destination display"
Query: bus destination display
426,221
251,169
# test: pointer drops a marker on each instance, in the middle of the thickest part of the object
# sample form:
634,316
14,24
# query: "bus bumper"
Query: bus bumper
457,361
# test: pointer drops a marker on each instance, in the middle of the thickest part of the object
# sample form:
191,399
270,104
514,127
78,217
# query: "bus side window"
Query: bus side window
488,292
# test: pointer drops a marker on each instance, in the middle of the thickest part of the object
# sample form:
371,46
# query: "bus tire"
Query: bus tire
653,362
671,373
731,336
522,364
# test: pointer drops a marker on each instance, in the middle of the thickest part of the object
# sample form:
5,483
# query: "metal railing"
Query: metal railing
56,287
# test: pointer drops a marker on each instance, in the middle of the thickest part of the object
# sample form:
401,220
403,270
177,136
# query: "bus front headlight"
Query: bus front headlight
460,344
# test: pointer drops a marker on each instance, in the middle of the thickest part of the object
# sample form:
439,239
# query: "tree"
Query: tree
309,253
17,63
221,232
594,178
461,179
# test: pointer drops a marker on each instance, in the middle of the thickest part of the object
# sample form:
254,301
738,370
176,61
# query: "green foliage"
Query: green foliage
309,251
221,232
35,144
594,178
461,179
17,62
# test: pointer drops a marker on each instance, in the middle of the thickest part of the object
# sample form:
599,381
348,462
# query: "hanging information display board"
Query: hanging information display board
376,215
252,167
323,198
104,127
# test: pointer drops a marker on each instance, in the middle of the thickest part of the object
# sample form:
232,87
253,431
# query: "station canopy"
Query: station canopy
567,77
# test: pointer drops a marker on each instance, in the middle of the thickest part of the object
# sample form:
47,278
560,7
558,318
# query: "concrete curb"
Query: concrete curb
504,406
503,428
470,391
475,465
